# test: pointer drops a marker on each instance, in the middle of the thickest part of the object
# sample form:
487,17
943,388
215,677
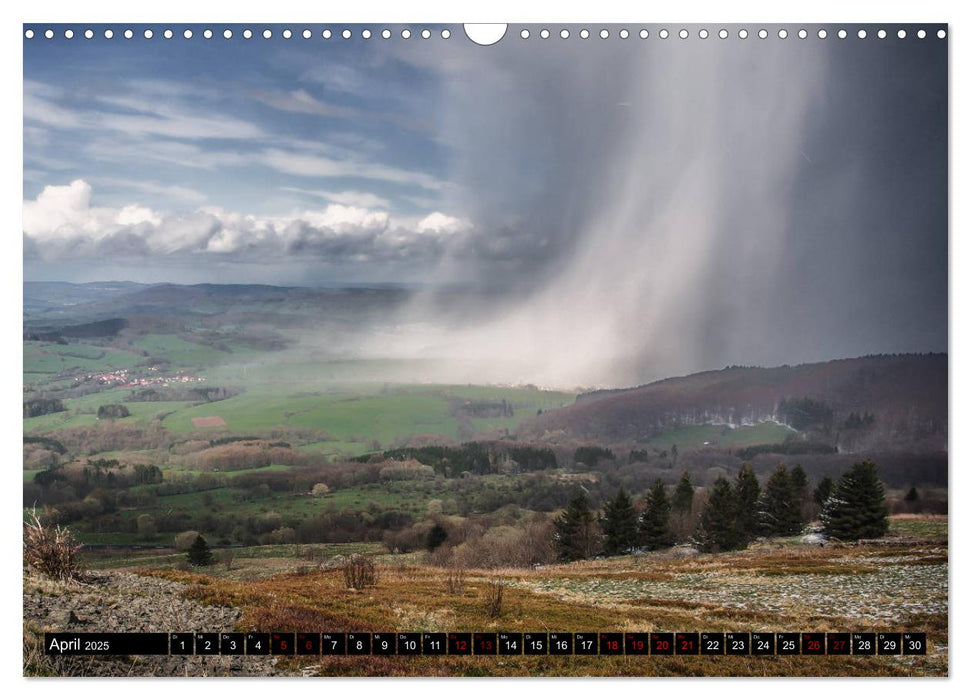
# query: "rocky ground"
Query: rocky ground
124,602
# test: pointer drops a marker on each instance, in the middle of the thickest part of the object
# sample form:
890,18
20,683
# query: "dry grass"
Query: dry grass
51,549
359,572
790,588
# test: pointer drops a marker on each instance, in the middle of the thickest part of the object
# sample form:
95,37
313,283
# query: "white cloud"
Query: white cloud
61,224
440,223
155,117
322,166
351,198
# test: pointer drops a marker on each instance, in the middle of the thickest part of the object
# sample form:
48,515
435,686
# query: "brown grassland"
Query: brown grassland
775,586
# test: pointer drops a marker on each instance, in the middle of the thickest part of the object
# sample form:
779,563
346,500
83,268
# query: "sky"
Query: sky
648,206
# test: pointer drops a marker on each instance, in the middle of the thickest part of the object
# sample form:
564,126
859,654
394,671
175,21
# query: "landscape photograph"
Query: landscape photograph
603,350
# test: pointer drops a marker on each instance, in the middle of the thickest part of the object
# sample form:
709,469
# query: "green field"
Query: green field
51,358
360,414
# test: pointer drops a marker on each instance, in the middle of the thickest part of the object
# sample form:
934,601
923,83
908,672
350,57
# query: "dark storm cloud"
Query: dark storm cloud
646,207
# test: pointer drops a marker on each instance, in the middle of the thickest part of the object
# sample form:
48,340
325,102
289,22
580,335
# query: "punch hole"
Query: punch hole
644,33
524,34
366,34
29,34
703,34
683,34
148,34
287,34
544,34
129,33
346,33
624,33
446,34
207,34
941,34
247,33
743,33
68,33
386,34
921,33
488,34
564,33
783,34
584,33
227,34
861,33
841,33
49,34
89,34
326,34
426,34
267,33
882,34
306,34
604,34
722,33
663,33
803,33
405,33
168,34
109,34
821,33
763,34
901,34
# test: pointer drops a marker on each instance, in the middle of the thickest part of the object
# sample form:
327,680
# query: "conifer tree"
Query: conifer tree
655,524
857,508
619,524
684,495
822,491
747,492
573,531
199,553
779,510
718,530
800,492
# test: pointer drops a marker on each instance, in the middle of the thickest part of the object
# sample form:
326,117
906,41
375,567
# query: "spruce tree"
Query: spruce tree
573,530
655,525
684,495
619,524
747,492
779,510
800,492
718,531
857,508
199,553
823,491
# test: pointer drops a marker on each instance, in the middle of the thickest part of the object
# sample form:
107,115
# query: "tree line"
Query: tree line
734,514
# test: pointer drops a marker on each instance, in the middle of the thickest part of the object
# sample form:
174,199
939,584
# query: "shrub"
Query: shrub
493,597
184,540
51,549
360,572
455,581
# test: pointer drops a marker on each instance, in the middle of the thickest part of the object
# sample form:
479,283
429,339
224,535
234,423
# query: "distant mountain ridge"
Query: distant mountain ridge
905,396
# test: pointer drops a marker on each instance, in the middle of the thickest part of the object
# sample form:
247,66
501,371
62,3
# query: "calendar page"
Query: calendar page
549,349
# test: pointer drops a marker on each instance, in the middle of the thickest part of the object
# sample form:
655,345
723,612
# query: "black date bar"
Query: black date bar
124,643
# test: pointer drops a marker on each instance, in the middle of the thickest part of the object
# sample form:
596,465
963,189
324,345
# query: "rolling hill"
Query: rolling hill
884,402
